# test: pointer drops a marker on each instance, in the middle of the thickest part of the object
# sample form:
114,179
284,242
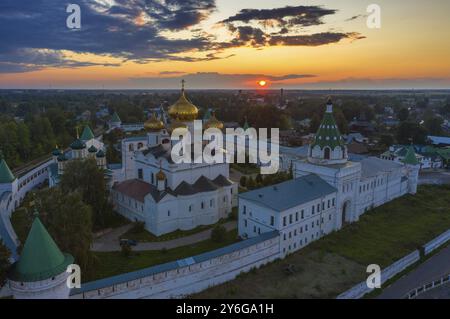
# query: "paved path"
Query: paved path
433,269
434,177
442,292
110,242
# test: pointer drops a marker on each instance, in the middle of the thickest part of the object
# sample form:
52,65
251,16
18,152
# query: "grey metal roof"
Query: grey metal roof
373,166
135,139
291,193
115,280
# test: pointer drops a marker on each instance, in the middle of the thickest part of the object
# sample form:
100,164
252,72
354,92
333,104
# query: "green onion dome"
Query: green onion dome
56,151
62,158
100,154
92,149
78,145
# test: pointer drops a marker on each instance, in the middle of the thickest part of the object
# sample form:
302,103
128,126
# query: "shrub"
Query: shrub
218,234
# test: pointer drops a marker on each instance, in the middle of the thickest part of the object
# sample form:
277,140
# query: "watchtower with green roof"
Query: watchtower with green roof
328,146
412,165
6,176
115,121
40,272
8,182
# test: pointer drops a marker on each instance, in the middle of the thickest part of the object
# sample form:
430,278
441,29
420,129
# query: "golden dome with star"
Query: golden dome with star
154,124
213,122
160,176
183,109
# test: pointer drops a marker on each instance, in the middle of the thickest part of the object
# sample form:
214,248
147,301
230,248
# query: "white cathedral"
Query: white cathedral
166,196
328,191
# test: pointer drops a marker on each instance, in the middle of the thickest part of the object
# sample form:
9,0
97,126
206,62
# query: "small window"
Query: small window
272,220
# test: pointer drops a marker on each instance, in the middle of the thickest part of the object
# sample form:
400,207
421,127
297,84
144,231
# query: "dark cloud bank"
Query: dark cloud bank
33,33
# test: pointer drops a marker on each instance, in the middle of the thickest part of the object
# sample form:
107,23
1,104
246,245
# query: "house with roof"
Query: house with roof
165,195
302,210
328,192
427,156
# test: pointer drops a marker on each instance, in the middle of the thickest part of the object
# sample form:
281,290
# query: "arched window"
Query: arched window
131,147
327,153
140,145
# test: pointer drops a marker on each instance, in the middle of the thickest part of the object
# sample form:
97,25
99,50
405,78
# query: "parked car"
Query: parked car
129,242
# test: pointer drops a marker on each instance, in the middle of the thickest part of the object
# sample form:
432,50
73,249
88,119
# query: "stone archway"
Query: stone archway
346,208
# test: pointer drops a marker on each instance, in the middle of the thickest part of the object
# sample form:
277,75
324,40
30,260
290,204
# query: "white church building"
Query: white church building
328,191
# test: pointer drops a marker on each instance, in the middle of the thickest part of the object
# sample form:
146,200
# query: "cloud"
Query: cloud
313,39
249,25
299,15
214,80
34,35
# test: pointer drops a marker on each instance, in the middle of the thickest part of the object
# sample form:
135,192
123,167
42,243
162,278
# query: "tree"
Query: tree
259,179
218,234
126,250
408,132
386,140
434,125
403,114
89,180
243,181
69,221
251,183
4,262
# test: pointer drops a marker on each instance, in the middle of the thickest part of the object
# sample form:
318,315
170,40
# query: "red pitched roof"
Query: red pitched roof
134,188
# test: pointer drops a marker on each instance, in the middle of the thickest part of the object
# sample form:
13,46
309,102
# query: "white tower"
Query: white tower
40,272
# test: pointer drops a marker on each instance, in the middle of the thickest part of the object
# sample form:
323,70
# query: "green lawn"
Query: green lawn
139,234
113,263
337,262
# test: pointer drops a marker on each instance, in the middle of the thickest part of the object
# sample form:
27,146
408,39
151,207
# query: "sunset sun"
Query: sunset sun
262,83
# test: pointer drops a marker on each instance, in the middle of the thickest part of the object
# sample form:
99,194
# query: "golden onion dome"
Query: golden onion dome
183,109
213,122
160,176
154,124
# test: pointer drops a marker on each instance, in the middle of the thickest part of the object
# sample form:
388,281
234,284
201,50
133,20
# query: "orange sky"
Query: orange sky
411,47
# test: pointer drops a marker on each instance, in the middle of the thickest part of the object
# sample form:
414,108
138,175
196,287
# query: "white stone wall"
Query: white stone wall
53,288
183,281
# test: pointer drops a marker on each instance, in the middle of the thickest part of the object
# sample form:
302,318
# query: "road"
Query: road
442,292
434,177
110,242
432,269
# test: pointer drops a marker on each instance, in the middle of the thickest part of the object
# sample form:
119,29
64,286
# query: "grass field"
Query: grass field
141,235
114,263
338,261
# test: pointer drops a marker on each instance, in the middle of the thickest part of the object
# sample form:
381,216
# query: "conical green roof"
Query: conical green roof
6,176
115,118
328,133
41,258
207,115
411,157
87,134
246,125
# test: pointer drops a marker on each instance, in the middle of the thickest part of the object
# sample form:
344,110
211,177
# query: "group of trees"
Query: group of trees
35,136
259,181
74,210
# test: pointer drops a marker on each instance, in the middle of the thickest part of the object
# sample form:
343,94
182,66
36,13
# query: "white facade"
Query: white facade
52,288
